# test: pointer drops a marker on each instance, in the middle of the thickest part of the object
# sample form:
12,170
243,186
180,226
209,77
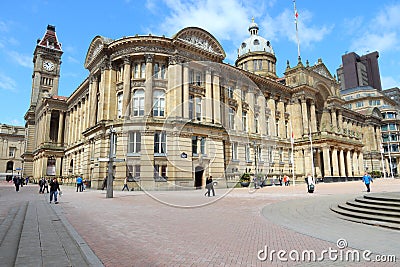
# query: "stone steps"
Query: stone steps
381,209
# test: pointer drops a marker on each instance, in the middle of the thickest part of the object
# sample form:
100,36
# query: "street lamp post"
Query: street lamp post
111,156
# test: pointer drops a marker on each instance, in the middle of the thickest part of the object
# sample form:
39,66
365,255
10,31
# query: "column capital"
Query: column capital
149,58
127,60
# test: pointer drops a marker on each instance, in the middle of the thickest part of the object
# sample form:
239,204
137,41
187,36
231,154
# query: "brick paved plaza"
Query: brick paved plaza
188,229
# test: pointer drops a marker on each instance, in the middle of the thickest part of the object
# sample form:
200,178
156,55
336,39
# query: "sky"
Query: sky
326,30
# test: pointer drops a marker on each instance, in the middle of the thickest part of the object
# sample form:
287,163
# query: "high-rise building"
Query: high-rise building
357,71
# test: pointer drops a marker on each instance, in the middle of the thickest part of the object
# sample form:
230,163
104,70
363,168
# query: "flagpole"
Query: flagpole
312,154
292,145
296,15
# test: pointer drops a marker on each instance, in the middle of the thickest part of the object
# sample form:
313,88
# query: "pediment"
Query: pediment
321,69
201,39
95,48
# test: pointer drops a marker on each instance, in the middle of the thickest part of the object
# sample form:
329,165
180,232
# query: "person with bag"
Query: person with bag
310,183
209,186
54,189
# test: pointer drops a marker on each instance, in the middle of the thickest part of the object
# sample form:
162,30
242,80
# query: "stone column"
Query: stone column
342,164
272,120
47,126
348,164
297,121
93,88
361,163
313,117
327,161
60,128
207,101
148,92
334,120
345,126
340,120
185,92
250,112
304,115
281,123
126,87
335,162
216,100
237,94
355,164
261,116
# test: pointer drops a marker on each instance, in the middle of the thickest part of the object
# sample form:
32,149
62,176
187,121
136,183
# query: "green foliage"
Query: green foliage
245,177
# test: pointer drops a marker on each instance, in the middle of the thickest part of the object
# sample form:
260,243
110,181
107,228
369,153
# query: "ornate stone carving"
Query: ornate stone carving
149,58
198,42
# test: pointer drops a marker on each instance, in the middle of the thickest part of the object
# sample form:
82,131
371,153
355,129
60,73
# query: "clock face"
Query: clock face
48,65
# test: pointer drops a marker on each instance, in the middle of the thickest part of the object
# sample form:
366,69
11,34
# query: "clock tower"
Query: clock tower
40,128
46,66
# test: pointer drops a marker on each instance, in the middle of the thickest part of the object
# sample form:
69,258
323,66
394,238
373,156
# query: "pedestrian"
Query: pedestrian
16,183
54,189
26,180
285,180
367,179
21,181
104,183
41,185
310,183
125,184
209,186
46,185
79,182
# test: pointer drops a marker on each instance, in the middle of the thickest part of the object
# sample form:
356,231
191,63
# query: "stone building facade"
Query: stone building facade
181,114
12,146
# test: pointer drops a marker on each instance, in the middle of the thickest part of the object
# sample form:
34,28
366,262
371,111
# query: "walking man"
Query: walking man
209,186
54,189
367,179
16,183
125,184
79,185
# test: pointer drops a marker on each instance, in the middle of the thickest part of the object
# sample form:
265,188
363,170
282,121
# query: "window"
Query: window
160,144
160,172
137,171
134,142
280,155
156,71
270,155
231,119
194,145
244,93
258,153
384,127
198,108
359,104
138,102
163,71
11,152
277,127
257,64
256,42
195,106
119,104
203,145
143,70
136,71
234,151
290,156
244,121
392,127
158,103
199,79
247,153
191,76
256,123
246,66
267,126
230,92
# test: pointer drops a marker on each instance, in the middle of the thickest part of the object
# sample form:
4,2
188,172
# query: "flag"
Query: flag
296,14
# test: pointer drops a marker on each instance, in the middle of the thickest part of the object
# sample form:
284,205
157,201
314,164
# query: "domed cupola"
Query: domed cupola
256,54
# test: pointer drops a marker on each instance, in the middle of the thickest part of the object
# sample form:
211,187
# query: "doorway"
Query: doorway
198,177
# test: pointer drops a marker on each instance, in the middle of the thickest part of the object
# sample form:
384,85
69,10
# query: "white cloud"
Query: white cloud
72,60
3,26
7,83
228,20
382,33
22,60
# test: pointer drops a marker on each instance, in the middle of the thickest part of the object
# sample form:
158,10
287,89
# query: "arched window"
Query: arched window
138,102
156,71
158,103
256,42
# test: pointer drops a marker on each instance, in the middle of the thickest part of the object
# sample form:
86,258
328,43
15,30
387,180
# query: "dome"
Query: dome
255,43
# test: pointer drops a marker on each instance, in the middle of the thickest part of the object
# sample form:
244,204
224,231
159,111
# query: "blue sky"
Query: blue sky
327,30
